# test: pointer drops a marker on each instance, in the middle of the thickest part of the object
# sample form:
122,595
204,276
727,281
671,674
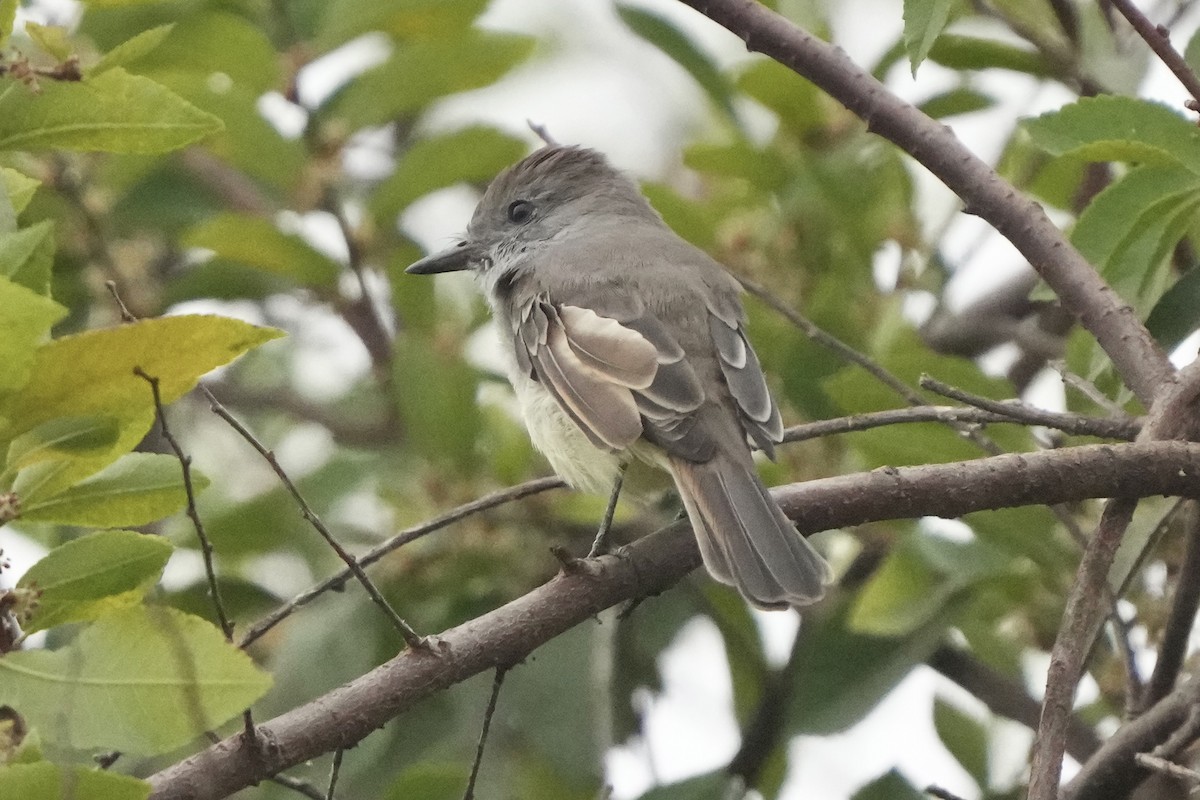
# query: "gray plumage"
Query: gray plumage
626,340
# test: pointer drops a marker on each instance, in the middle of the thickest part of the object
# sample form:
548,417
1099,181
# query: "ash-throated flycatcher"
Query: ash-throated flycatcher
626,340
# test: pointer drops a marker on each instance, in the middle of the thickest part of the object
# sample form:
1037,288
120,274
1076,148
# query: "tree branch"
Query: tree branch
1138,359
505,636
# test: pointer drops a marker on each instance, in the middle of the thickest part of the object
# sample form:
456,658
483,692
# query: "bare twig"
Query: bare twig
1167,767
542,133
1181,619
334,769
1087,389
411,637
405,536
1124,426
1159,40
1014,413
497,682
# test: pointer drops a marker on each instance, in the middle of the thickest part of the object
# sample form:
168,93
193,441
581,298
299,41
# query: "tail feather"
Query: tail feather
744,537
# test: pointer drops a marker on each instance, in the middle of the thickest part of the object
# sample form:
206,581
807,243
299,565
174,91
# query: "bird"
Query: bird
624,341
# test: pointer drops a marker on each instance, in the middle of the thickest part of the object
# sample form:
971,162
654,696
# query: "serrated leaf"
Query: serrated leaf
1119,210
475,153
59,438
143,681
93,575
663,34
924,21
421,72
25,319
974,53
137,489
1112,128
256,242
18,186
111,112
964,737
92,373
27,255
43,780
132,49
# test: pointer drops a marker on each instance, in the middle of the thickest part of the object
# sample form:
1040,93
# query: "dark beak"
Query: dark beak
453,259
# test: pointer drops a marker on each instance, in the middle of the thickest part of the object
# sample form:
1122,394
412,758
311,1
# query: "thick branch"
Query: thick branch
654,563
1136,356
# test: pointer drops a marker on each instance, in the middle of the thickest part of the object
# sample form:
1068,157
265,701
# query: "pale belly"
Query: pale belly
557,437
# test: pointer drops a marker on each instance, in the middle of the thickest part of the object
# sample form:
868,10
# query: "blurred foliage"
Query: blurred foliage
138,152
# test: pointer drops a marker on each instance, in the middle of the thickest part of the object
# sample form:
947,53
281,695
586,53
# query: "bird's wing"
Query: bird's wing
757,410
614,368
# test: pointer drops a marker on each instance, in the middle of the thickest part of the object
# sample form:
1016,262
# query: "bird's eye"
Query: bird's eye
520,212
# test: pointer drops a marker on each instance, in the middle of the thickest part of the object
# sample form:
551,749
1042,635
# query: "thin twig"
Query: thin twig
1160,42
185,464
402,538
334,769
1075,635
1086,388
126,314
1167,767
832,343
411,637
1181,619
1072,424
497,682
1123,427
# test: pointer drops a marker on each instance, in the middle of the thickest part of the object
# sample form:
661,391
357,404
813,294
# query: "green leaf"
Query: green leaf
27,255
94,575
713,786
132,49
964,737
1112,128
428,782
1177,312
764,169
796,101
955,102
113,112
137,489
91,373
891,786
60,438
1121,209
436,394
25,319
421,72
918,579
143,681
404,19
663,34
8,16
19,186
43,780
924,21
974,53
207,42
256,242
846,673
472,154
51,38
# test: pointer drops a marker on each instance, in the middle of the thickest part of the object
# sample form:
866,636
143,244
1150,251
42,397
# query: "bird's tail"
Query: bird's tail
744,537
